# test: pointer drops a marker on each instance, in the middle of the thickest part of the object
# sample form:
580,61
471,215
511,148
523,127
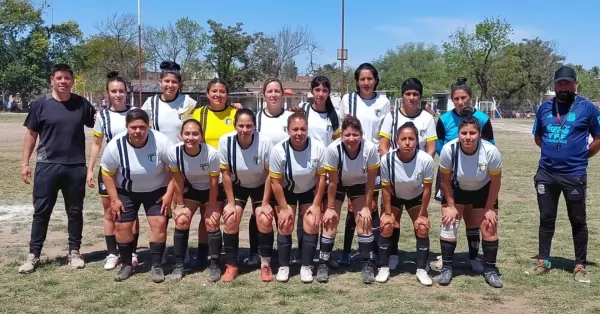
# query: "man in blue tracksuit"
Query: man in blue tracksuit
562,127
447,130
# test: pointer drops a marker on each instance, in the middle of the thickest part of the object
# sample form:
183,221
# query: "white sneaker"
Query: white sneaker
306,274
423,277
393,263
283,274
75,260
30,265
112,261
134,260
383,275
477,266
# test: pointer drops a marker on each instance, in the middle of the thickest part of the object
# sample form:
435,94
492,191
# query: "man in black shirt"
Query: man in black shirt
58,119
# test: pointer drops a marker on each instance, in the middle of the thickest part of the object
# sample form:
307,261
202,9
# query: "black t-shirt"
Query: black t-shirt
59,125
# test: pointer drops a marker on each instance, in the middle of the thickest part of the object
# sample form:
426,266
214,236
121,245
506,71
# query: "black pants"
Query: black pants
549,187
48,180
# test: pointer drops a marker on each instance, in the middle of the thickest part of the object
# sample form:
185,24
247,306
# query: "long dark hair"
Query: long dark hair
331,112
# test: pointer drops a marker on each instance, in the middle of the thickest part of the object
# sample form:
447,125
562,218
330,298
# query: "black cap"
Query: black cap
565,73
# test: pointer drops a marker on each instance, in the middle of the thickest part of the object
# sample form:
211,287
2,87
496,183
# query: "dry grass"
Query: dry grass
57,288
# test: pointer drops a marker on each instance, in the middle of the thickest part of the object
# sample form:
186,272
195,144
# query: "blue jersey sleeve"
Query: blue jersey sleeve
594,117
536,130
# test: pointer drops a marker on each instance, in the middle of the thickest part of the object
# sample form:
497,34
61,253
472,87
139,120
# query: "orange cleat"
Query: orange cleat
266,274
231,271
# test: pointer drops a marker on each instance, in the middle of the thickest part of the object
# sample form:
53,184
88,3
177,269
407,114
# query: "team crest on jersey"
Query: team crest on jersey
482,166
313,162
228,121
418,175
364,170
329,128
152,157
285,129
204,167
257,160
422,133
378,112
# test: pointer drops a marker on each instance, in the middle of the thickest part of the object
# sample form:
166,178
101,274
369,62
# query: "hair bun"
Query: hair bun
461,80
112,74
169,65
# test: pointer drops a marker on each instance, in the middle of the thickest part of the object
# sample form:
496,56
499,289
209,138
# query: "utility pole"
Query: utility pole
342,55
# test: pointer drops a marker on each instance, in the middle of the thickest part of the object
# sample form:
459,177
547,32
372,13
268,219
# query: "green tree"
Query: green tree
334,74
588,85
477,54
413,60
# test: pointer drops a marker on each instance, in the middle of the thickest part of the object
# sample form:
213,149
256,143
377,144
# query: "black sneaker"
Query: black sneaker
252,261
214,273
178,272
445,276
492,278
322,273
158,275
368,274
124,273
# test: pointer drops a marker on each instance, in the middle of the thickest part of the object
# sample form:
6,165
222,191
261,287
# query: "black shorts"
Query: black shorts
299,199
101,187
133,200
408,204
201,196
476,199
352,192
242,194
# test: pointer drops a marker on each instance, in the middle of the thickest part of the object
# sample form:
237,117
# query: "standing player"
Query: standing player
352,164
110,122
412,91
195,167
58,120
244,159
370,108
406,176
471,177
447,130
562,127
135,172
298,181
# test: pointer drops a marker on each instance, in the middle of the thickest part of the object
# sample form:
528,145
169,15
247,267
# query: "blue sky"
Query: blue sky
372,27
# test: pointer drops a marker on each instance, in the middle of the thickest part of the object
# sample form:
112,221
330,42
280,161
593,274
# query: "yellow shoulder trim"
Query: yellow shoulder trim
275,175
174,169
214,173
427,180
224,166
446,171
321,172
495,171
108,173
97,134
338,132
328,168
431,139
374,166
385,183
383,134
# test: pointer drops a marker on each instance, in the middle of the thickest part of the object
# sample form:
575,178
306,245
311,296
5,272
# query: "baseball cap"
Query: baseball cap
565,73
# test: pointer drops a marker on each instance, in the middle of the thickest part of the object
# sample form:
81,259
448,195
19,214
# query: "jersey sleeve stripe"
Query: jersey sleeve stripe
374,166
214,173
338,132
431,139
383,134
174,169
98,134
275,175
385,183
446,171
321,172
329,168
224,166
108,173
427,181
494,171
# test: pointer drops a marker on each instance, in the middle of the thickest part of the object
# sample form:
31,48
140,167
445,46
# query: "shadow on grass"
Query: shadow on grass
564,264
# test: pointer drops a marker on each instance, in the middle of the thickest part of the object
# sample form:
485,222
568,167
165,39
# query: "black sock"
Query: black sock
111,244
284,246
375,225
308,248
125,250
447,248
136,237
230,244
300,232
365,247
265,244
473,241
422,252
395,238
327,245
490,252
385,245
349,230
253,235
215,242
203,250
180,244
157,249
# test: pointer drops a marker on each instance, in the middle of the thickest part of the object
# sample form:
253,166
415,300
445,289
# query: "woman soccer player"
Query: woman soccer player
352,164
321,114
370,108
471,170
412,91
110,122
298,181
447,130
406,176
135,172
244,158
195,167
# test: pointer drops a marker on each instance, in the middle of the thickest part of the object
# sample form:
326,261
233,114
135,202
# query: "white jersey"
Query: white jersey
198,169
247,166
109,123
423,121
351,171
406,178
141,169
297,169
319,125
472,172
275,127
167,117
370,112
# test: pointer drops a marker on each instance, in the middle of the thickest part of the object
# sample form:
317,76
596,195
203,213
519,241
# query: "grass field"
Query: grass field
57,288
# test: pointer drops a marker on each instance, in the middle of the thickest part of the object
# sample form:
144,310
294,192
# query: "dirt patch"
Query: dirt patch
513,306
